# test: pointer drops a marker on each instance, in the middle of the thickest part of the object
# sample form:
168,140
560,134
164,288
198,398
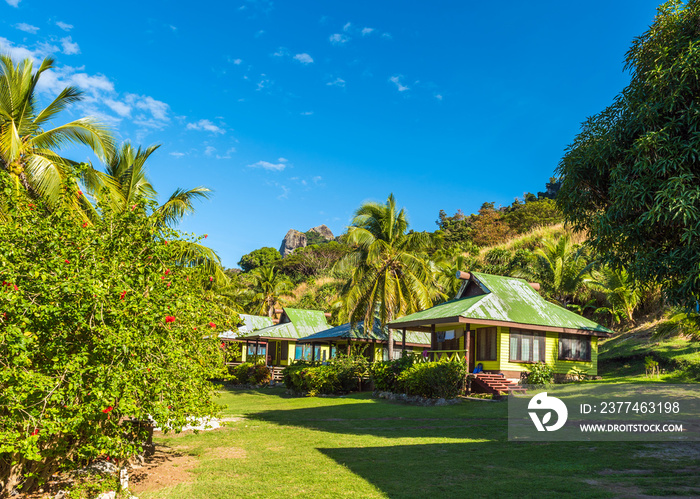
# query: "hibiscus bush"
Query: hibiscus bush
102,325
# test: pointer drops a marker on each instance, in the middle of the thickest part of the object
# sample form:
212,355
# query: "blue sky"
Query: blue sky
297,112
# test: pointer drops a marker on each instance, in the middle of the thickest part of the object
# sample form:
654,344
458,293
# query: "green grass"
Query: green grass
356,446
622,357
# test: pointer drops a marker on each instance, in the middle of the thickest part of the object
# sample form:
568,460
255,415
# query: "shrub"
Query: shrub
100,324
444,379
385,374
249,373
540,374
341,375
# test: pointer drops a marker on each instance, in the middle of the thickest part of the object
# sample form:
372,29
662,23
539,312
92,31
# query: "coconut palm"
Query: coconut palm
267,287
127,169
390,274
619,288
129,185
561,266
29,148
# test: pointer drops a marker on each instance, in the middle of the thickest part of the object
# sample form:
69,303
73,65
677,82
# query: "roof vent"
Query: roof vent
465,276
535,285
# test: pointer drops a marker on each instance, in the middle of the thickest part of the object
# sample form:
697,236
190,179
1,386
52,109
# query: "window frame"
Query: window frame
530,336
578,337
485,333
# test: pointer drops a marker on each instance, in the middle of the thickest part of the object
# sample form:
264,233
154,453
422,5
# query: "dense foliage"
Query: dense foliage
249,373
100,325
339,375
444,379
540,374
631,175
385,375
259,258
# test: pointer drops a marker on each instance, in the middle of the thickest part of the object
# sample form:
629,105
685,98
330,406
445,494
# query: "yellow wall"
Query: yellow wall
502,362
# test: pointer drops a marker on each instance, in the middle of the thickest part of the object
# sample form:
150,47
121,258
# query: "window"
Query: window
262,349
526,346
574,347
285,350
333,351
486,343
302,352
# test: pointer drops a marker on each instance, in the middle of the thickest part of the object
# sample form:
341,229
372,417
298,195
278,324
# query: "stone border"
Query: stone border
415,400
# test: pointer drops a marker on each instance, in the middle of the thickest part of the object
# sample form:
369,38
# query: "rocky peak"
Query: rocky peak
293,240
323,231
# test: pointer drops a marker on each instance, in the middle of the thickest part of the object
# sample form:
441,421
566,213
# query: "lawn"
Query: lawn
357,446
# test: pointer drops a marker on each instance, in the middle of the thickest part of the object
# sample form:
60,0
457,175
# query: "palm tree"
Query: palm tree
127,169
561,265
390,274
129,185
268,285
29,148
620,289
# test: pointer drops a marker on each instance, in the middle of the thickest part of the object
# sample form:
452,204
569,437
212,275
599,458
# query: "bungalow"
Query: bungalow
505,325
372,344
277,342
251,323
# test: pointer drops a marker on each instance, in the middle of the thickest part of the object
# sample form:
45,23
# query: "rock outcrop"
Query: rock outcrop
293,240
323,231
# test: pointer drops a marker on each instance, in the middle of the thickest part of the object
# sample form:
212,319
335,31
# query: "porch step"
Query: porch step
495,384
277,374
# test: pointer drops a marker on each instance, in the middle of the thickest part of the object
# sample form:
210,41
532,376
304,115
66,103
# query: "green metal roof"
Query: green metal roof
345,332
504,299
296,323
251,323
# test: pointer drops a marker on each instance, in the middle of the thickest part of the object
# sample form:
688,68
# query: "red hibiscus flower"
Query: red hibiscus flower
169,318
67,261
211,324
206,235
107,409
84,224
211,278
167,271
35,432
16,288
122,295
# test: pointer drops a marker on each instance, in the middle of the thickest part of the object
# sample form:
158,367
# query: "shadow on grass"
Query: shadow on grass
473,420
514,469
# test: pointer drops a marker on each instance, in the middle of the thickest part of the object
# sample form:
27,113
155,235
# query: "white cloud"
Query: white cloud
264,82
176,154
347,27
282,160
228,154
237,62
120,108
266,165
367,31
387,36
209,150
64,26
339,39
304,58
317,179
27,28
281,52
206,126
306,113
92,83
13,3
173,28
157,109
438,96
397,81
17,53
69,47
338,82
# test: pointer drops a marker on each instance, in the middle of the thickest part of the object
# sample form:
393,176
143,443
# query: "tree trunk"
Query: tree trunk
391,344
